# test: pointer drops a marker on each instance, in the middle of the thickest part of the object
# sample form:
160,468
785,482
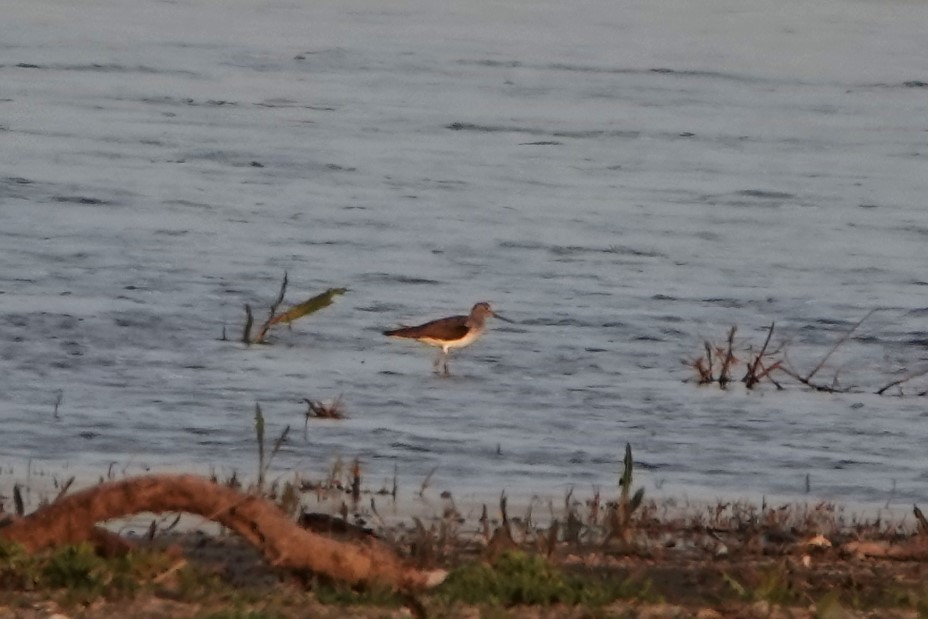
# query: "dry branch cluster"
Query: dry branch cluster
721,362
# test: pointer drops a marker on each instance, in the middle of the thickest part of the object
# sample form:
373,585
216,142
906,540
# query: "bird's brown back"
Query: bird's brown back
451,328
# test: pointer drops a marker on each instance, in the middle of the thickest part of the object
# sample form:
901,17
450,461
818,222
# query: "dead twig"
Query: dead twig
767,371
724,373
426,481
837,344
249,321
18,504
317,409
756,369
816,386
922,521
272,313
58,398
64,489
834,387
356,481
264,464
807,379
259,435
706,372
904,379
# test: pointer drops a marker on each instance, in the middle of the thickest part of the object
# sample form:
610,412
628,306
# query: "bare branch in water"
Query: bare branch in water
906,378
837,344
272,313
249,321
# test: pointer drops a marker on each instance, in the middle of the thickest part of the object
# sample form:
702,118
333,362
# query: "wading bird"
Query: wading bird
450,332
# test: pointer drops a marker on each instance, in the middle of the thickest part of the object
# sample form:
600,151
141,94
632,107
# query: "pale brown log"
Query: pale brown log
284,544
105,543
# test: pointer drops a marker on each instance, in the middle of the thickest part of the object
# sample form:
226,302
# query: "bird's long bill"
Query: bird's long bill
503,318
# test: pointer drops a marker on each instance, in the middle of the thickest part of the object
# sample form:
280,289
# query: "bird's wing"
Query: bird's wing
451,328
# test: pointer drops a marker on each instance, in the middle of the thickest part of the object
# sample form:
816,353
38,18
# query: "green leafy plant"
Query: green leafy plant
76,567
18,569
514,578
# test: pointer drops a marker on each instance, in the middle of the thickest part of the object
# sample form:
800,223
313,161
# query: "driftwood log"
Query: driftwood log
72,519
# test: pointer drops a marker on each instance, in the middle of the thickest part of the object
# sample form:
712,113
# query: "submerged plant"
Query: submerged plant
317,409
305,308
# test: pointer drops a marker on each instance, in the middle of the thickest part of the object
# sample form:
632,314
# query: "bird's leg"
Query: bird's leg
441,363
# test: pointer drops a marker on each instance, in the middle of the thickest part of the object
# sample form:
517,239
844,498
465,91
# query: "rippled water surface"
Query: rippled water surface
623,179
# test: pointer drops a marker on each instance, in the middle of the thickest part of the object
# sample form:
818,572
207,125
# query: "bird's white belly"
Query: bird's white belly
445,345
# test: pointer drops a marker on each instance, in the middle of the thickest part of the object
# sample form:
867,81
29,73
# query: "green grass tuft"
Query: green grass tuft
517,578
76,567
18,569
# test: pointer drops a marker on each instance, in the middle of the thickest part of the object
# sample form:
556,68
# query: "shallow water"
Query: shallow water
623,179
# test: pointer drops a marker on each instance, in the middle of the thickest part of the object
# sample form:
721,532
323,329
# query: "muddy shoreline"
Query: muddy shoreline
588,556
